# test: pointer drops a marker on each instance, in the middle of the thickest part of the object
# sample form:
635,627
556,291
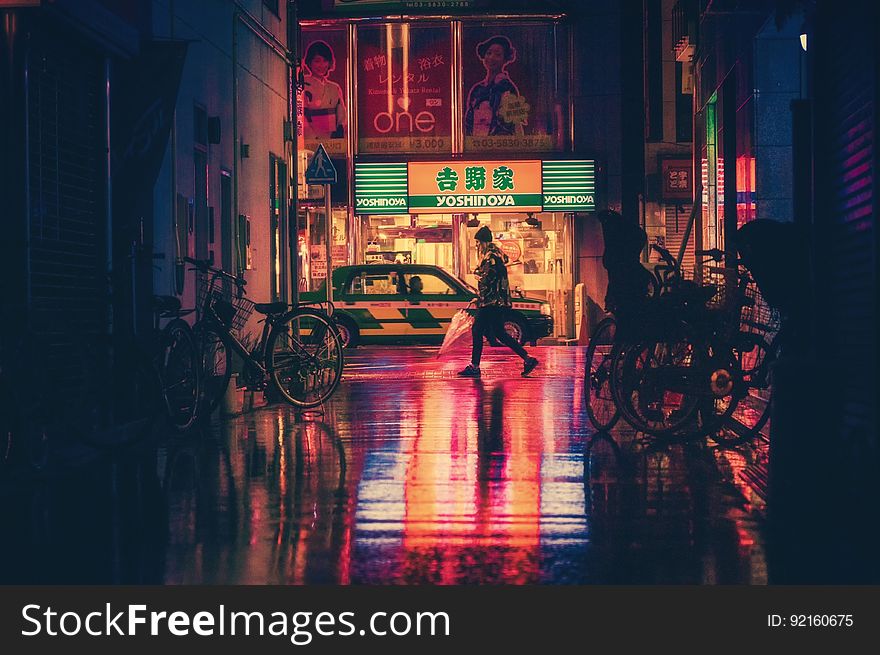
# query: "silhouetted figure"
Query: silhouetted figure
629,283
777,256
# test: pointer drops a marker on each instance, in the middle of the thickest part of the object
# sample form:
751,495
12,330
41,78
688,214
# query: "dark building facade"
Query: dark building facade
135,134
785,121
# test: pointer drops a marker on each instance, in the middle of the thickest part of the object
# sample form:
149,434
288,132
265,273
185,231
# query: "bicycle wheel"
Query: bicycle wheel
598,398
304,358
657,384
216,362
179,374
721,389
753,410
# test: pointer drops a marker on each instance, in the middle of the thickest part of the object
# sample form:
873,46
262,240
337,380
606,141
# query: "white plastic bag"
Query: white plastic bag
459,328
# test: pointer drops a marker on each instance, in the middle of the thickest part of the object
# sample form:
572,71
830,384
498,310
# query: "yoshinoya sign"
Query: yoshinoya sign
450,186
447,187
569,185
380,188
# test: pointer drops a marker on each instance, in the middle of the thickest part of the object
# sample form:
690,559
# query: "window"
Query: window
376,283
429,283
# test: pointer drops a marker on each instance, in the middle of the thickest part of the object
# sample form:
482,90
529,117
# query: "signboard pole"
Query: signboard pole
329,243
322,171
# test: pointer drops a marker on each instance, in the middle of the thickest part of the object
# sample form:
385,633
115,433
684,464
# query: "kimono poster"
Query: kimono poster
513,86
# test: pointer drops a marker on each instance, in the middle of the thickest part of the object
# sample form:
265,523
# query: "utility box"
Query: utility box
233,399
581,316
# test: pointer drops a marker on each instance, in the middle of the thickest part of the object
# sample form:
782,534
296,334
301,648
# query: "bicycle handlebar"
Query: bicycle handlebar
665,255
204,266
716,254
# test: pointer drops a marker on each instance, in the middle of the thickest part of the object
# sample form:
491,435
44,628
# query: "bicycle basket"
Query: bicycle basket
757,316
233,311
725,282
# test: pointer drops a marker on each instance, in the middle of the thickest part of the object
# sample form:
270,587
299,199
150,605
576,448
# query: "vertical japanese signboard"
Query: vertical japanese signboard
404,90
323,100
677,179
514,88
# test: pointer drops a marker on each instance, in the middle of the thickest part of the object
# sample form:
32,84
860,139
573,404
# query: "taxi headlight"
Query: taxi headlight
545,309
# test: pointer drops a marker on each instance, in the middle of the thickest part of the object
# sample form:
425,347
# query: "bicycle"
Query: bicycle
599,400
685,362
602,350
688,373
298,354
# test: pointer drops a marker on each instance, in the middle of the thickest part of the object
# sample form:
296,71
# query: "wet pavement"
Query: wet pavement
410,475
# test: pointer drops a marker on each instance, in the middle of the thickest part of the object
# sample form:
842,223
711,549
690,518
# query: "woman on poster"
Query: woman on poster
324,106
485,115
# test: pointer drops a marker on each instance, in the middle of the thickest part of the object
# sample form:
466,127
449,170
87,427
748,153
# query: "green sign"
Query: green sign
569,185
449,186
380,188
455,186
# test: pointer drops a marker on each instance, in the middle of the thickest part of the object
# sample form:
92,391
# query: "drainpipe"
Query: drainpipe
27,167
355,243
293,172
236,149
109,198
178,259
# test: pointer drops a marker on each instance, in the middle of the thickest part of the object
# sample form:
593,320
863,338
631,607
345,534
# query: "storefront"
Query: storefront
427,213
440,125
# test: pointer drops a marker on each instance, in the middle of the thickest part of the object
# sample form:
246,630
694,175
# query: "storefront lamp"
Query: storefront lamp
473,221
531,220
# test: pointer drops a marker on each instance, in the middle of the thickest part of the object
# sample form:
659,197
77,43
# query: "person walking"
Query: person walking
493,305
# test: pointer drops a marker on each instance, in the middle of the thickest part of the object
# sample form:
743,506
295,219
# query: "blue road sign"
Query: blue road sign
321,169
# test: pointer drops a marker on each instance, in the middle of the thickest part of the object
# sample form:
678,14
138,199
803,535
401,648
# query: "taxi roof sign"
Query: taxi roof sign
321,169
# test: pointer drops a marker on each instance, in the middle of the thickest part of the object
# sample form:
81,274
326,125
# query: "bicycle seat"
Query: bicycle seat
270,307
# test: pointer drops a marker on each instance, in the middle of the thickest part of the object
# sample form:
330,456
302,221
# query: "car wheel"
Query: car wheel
516,328
348,332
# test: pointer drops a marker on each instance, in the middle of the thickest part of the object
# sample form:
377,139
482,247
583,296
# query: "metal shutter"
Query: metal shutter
676,217
846,220
67,199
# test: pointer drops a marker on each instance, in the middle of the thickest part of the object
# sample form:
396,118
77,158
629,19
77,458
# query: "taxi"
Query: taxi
414,303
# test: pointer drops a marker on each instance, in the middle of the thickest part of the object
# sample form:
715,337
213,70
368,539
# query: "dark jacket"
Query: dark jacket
492,284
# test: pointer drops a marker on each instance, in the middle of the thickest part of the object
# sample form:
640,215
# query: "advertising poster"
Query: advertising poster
322,99
513,89
404,89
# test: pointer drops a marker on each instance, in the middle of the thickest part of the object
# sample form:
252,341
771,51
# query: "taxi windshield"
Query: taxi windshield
467,286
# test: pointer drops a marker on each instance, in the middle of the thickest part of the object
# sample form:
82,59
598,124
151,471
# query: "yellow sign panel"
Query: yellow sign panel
461,186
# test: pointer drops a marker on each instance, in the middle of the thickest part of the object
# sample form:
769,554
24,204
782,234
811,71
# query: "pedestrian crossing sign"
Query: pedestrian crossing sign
321,169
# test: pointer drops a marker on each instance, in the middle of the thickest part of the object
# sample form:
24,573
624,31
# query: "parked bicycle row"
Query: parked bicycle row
683,356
